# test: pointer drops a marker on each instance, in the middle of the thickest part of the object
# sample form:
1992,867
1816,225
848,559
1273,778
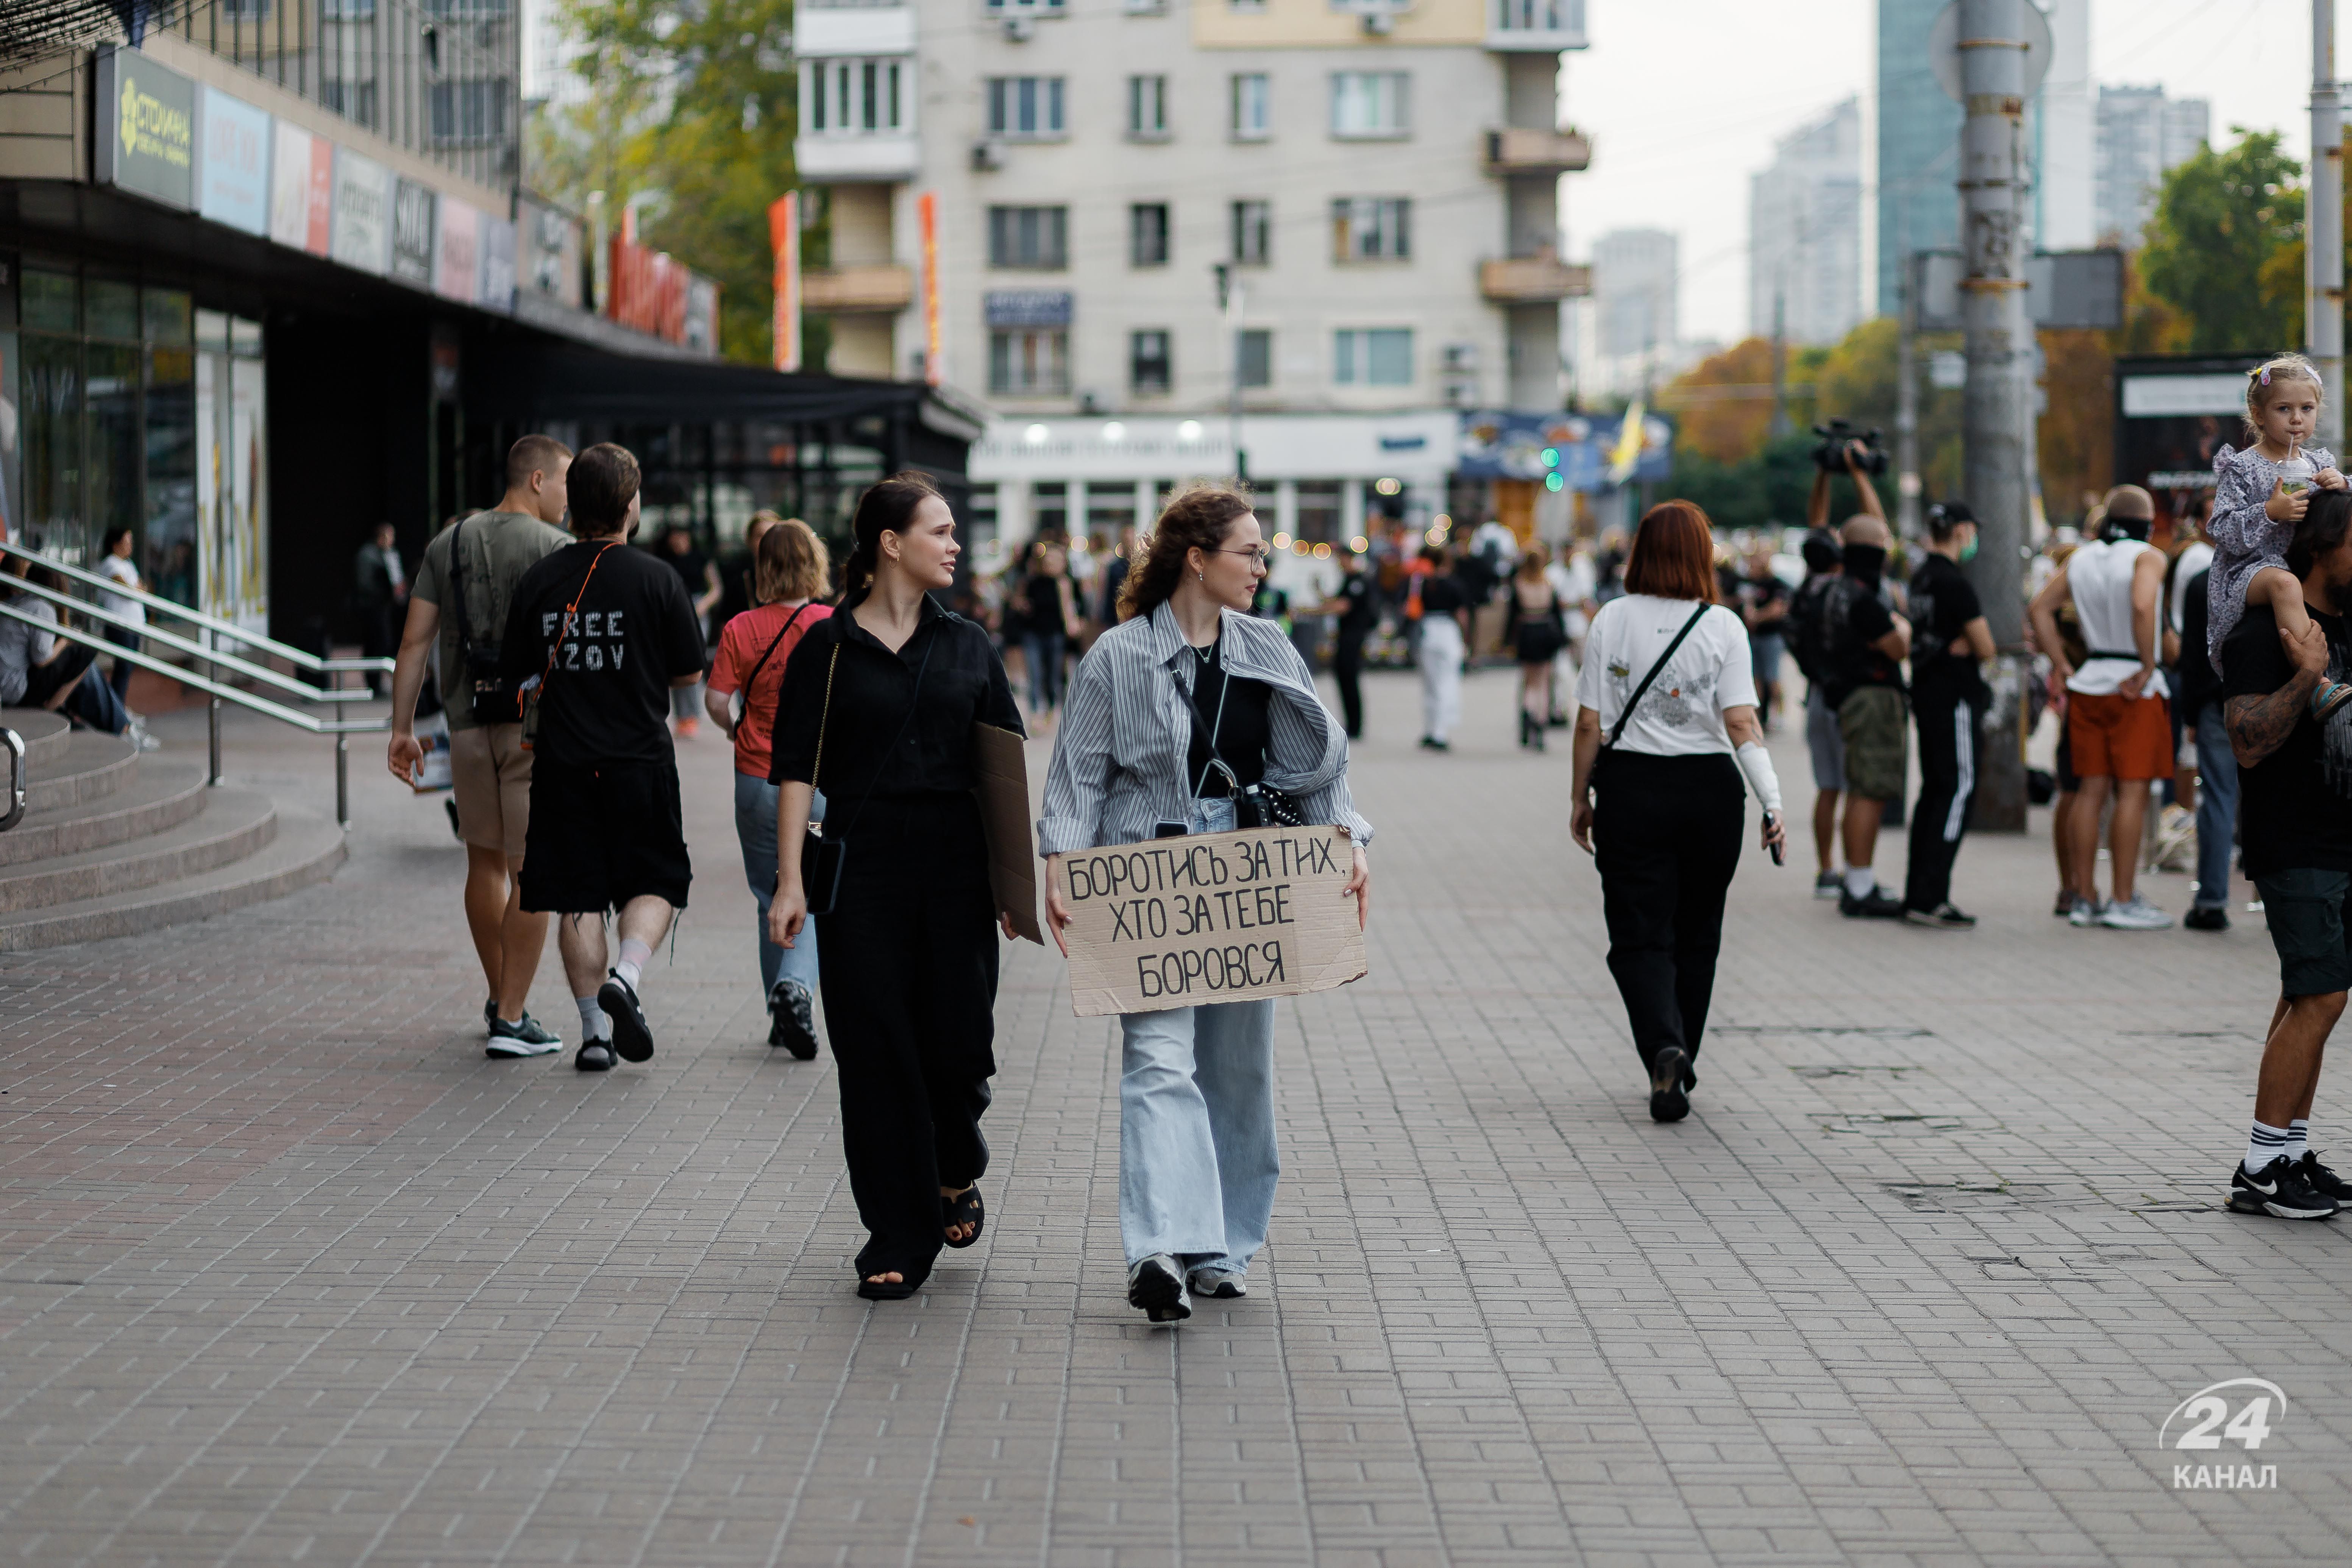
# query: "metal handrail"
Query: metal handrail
261,672
341,729
180,612
13,744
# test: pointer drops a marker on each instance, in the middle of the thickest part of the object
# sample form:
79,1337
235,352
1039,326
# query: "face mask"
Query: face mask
1969,548
1864,561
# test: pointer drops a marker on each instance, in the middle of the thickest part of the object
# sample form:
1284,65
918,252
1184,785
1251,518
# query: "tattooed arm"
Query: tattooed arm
2259,725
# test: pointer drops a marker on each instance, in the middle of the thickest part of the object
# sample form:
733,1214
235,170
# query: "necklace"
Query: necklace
1207,655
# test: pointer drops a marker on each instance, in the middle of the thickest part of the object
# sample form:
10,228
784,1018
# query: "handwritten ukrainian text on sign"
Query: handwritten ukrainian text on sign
1216,917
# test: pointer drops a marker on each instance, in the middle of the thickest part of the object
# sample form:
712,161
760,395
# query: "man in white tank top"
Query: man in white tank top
2118,724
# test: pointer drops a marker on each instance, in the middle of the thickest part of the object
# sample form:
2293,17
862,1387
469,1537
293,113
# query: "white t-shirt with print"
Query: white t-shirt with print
1682,713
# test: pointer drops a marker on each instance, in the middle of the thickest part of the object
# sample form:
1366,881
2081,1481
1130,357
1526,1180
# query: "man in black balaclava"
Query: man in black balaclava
1866,644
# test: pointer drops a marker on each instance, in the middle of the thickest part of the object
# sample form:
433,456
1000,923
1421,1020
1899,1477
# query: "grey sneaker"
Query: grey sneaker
2087,913
1828,885
529,1038
1216,1284
2135,913
1156,1286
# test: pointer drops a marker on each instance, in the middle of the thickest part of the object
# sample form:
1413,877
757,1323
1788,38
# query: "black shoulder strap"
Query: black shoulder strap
458,588
1617,730
772,647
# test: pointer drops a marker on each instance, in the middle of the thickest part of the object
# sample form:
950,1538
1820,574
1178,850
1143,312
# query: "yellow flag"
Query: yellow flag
1628,450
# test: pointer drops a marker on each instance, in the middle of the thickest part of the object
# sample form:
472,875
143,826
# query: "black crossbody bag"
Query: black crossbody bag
822,855
491,698
1255,806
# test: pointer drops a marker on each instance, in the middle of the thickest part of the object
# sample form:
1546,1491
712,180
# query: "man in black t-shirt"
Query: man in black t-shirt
1864,644
1950,639
603,634
2294,777
1358,605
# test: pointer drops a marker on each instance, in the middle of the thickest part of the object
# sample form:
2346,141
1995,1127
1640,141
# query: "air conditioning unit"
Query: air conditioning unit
1020,29
1462,393
987,157
1460,359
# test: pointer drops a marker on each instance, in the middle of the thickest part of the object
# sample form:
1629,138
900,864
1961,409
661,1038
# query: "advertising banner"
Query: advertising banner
498,246
1215,916
457,252
232,175
301,189
1576,450
927,216
362,213
784,241
146,130
412,233
550,248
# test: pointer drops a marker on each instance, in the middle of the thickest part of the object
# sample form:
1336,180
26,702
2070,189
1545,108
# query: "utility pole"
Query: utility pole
1992,45
2324,228
1907,406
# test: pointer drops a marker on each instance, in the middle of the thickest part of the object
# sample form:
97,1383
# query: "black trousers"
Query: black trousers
1665,834
908,963
1348,669
1951,739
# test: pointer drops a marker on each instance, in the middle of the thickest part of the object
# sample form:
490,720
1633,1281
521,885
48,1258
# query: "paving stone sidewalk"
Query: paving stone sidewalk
289,1272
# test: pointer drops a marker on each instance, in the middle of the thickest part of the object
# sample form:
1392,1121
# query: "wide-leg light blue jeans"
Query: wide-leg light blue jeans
755,830
1197,1163
2217,805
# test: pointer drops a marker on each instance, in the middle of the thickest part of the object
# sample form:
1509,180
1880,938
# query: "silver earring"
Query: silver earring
1199,578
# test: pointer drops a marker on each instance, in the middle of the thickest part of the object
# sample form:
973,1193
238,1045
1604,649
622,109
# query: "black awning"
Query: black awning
535,383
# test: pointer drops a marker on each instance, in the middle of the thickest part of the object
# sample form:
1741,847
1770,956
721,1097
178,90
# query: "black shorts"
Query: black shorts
2306,911
600,837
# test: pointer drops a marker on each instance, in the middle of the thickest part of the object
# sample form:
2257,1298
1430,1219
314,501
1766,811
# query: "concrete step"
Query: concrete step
89,766
165,794
44,734
233,823
306,850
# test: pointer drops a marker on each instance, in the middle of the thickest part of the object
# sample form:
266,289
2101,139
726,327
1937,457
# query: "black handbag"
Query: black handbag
824,855
1255,805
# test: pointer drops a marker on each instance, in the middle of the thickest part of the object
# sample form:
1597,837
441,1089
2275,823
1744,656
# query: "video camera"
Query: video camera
1830,456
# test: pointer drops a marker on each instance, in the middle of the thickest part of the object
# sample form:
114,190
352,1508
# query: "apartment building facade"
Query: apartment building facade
1176,236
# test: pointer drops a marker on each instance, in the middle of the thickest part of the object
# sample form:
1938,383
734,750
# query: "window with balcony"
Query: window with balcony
1367,105
1373,356
1253,108
1254,354
1029,362
1149,371
1371,228
469,111
1026,7
1147,235
854,96
1146,108
1025,107
1146,8
1539,15
1253,233
1036,239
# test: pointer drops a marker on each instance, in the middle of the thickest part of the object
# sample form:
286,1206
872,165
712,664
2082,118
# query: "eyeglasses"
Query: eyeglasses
1260,556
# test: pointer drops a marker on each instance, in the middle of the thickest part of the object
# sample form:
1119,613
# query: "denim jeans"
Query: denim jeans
1043,650
1197,1163
755,829
2217,806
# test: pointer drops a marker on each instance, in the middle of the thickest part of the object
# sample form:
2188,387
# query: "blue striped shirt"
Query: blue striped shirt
1126,728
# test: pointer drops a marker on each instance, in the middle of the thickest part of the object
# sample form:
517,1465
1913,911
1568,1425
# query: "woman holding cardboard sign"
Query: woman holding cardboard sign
877,711
1182,717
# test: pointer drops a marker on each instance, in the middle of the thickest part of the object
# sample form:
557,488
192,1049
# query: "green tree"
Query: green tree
692,108
2222,221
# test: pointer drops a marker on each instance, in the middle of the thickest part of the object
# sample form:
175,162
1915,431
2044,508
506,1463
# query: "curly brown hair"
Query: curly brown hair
1197,517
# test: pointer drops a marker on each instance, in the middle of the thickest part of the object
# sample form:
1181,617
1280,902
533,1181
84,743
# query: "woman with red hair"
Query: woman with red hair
1665,732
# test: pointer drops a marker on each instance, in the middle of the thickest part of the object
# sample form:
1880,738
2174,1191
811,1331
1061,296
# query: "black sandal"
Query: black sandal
964,1208
885,1289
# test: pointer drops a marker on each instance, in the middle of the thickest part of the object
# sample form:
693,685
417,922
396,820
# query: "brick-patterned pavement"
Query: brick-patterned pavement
292,1273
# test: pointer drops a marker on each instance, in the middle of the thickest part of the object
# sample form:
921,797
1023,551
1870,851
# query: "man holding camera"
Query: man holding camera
472,568
1829,620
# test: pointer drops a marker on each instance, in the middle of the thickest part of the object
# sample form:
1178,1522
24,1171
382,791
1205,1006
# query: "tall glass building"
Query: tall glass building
1918,147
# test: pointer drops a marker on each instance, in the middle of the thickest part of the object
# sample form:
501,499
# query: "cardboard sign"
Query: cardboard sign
1001,763
1213,917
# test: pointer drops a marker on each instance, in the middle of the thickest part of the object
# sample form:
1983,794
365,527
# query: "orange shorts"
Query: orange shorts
2119,737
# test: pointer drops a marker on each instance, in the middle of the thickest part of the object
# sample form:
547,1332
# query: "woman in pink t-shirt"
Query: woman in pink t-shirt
790,570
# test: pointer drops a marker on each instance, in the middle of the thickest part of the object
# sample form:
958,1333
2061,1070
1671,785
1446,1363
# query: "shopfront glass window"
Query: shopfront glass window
168,560
170,317
110,404
52,396
52,300
110,309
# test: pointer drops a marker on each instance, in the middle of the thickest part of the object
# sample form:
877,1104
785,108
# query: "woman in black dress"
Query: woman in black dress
878,708
1536,626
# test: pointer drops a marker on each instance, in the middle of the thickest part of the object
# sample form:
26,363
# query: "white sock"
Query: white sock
2298,1140
2266,1144
1860,882
593,1025
634,956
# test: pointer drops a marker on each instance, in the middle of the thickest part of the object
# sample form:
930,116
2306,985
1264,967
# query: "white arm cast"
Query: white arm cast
1757,764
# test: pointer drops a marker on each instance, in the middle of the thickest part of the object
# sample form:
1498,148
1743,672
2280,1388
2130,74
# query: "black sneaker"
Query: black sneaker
490,1013
1156,1285
631,1038
1945,916
529,1038
2206,917
1877,906
795,1011
596,1055
1669,1094
2279,1190
2322,1180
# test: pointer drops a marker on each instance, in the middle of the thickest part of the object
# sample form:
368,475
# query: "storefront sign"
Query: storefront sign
498,284
784,244
550,245
232,177
363,217
1216,917
412,233
701,314
1027,306
146,139
456,253
301,189
927,217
